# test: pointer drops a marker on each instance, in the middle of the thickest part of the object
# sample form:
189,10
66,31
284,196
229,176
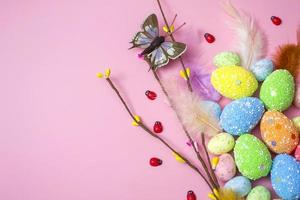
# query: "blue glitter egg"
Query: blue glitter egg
285,177
214,107
262,69
240,185
242,115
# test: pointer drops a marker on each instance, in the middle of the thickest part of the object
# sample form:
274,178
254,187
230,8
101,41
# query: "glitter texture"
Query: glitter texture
277,91
252,157
225,59
242,115
297,153
234,82
259,193
220,143
285,177
278,132
226,168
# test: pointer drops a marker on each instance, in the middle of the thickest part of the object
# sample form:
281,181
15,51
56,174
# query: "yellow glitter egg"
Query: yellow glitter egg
234,82
278,132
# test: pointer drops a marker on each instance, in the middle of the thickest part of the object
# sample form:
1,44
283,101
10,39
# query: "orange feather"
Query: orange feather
287,57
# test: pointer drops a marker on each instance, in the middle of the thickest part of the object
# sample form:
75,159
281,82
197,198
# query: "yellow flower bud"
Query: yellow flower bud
107,73
99,75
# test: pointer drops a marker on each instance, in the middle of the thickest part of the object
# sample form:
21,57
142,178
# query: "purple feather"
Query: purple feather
202,86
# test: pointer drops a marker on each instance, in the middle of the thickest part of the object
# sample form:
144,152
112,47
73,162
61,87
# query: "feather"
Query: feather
227,194
287,57
252,42
193,113
298,35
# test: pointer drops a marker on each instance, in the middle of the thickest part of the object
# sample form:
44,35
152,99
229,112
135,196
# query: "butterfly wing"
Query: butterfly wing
144,38
150,26
160,56
157,58
174,49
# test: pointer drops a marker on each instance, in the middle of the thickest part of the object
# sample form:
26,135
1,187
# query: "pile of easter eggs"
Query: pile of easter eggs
276,151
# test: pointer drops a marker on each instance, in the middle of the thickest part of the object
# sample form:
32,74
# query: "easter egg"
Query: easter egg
262,69
252,157
225,59
285,177
240,185
277,91
214,107
220,143
296,121
259,193
278,132
242,115
226,168
234,82
297,153
297,93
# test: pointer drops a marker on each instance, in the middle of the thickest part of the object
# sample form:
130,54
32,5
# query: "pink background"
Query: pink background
64,134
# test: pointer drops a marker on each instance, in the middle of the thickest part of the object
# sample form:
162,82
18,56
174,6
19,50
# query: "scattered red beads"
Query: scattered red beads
276,20
150,94
157,128
209,37
191,195
154,162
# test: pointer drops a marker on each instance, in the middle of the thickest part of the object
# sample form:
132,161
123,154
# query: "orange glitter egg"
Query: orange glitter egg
278,132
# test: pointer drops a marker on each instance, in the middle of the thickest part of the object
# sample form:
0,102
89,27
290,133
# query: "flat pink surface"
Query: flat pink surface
64,134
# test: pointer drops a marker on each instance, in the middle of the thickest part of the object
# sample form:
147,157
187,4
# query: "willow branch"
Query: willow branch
146,129
212,181
173,39
208,160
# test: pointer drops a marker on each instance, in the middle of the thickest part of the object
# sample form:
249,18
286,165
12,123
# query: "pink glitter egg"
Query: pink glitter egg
297,153
226,168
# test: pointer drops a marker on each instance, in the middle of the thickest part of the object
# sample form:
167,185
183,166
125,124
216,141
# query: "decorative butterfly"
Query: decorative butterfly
157,51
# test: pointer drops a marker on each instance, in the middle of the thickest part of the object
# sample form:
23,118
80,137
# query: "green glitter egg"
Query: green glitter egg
277,91
252,157
226,58
259,193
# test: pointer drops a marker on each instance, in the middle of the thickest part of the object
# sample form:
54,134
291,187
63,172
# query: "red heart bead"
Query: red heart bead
150,94
157,128
191,195
276,20
154,162
209,37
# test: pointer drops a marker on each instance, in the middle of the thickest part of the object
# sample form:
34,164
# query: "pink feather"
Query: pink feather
195,116
252,42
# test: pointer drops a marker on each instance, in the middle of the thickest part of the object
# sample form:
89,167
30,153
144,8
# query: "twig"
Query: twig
214,184
145,128
173,39
208,160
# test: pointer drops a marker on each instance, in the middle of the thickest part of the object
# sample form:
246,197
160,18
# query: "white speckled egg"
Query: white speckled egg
240,185
285,177
262,69
226,168
226,58
220,143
